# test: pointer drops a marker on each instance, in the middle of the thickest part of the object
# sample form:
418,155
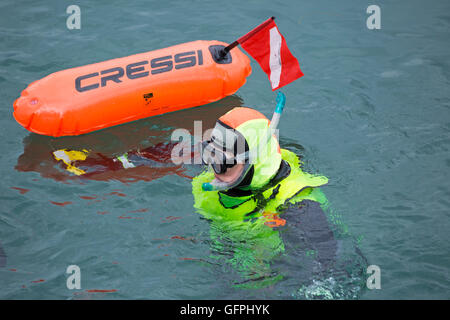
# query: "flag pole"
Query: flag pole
245,37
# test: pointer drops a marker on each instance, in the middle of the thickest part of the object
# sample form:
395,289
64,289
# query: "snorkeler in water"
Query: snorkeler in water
253,188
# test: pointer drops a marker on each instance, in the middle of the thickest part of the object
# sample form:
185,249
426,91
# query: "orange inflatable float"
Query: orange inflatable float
100,95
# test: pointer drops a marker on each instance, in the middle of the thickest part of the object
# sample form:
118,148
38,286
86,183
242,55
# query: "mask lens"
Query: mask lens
219,168
216,158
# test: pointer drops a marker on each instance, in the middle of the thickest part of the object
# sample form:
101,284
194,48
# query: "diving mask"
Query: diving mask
228,147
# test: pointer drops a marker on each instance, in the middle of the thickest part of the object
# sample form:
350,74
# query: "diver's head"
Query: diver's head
233,151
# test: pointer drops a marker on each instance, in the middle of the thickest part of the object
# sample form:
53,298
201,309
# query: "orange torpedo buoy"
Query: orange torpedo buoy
100,95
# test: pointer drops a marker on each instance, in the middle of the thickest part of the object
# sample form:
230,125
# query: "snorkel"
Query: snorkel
218,185
281,101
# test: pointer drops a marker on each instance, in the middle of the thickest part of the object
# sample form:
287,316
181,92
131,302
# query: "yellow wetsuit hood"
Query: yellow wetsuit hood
254,126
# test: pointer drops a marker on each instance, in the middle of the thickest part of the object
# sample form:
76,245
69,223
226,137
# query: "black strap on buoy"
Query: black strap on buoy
224,51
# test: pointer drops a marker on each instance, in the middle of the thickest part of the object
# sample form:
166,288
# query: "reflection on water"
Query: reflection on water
149,139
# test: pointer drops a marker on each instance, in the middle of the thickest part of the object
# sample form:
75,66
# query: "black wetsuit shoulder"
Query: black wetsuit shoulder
307,222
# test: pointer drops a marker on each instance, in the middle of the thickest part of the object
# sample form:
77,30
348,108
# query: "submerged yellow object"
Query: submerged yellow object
69,156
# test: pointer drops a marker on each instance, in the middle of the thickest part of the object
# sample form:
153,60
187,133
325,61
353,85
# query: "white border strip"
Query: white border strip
275,57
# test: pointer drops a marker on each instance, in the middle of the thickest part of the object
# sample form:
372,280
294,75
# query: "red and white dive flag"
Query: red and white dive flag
268,46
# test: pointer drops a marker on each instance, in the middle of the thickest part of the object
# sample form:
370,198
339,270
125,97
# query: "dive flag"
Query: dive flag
269,48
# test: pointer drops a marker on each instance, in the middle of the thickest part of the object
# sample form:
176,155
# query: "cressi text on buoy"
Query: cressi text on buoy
100,95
